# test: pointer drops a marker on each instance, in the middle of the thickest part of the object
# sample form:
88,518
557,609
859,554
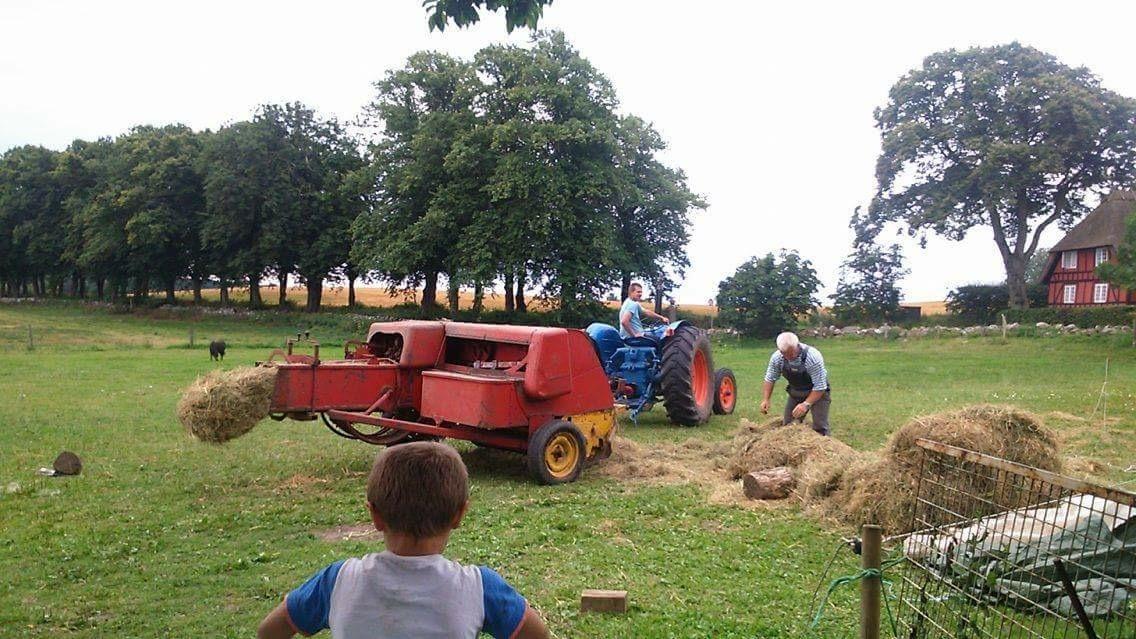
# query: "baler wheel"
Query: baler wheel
556,453
687,377
725,391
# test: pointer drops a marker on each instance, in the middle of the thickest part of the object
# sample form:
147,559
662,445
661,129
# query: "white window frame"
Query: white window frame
1067,263
1069,294
1101,256
1100,293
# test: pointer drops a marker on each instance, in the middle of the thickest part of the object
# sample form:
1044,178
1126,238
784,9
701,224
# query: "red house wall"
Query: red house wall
1084,277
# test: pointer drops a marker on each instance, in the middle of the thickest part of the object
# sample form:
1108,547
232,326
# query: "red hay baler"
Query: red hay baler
531,390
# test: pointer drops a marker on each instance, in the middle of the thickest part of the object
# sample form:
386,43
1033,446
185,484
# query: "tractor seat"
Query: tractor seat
641,341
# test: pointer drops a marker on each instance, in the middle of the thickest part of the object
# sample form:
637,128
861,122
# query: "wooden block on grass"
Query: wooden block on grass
603,601
775,483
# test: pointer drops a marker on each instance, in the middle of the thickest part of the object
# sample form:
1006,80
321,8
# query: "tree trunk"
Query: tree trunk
284,288
76,284
224,288
171,284
624,286
519,298
351,290
35,286
509,307
1016,284
315,294
255,300
100,287
430,290
453,296
478,297
197,289
659,301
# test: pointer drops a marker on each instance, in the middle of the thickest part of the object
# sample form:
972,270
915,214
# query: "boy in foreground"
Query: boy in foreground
417,494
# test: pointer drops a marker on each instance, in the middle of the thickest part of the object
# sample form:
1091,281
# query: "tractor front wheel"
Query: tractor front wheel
556,453
725,391
687,376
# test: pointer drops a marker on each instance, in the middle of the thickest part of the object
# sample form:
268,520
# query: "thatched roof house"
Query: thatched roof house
1071,270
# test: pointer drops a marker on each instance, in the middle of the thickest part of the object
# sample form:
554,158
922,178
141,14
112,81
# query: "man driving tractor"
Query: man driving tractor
631,315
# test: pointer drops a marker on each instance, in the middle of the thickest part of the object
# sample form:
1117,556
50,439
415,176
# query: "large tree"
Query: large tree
767,295
652,207
419,112
30,219
868,290
1002,137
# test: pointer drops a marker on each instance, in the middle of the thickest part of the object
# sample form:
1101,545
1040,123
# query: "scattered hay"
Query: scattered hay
223,405
690,462
834,481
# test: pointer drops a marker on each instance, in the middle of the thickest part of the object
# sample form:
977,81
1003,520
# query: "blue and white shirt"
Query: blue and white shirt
814,364
384,595
631,306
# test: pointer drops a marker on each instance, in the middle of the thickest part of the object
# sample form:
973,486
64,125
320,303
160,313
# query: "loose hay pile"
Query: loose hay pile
834,481
223,405
1000,431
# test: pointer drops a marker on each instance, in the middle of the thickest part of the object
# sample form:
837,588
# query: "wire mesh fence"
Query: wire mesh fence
1005,550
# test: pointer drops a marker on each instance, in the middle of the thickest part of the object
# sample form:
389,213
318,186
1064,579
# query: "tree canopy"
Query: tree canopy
868,290
1005,137
767,295
518,13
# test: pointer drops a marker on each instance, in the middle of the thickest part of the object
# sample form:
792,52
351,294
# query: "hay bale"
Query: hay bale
223,405
1000,431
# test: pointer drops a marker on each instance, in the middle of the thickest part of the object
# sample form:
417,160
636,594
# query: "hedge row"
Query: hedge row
1082,317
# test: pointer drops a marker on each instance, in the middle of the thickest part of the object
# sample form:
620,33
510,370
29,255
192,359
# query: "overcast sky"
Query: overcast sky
767,109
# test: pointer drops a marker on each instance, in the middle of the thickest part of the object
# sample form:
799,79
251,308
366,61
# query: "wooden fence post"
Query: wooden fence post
191,337
1003,327
31,339
870,587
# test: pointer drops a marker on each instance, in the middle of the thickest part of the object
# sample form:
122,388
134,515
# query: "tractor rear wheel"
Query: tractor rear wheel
556,452
687,378
725,391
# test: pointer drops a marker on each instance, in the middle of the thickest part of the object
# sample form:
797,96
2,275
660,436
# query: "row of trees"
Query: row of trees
163,205
513,167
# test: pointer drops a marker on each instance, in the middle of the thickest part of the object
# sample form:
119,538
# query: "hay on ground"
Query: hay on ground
818,461
223,405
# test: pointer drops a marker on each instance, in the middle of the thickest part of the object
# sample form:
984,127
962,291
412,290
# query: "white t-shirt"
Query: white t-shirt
383,595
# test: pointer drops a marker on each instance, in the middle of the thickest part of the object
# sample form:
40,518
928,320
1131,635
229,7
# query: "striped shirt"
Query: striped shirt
814,364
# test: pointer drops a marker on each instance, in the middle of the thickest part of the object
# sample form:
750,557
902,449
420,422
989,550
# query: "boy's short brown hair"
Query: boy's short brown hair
418,488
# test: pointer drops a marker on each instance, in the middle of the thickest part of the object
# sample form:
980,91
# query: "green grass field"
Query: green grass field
163,536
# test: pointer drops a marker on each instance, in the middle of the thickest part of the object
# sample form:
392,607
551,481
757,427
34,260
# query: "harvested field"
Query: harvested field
223,405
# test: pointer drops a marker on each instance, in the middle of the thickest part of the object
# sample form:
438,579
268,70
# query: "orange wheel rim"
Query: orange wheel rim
700,378
561,455
727,394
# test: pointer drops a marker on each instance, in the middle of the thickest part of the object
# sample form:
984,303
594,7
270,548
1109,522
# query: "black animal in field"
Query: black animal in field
217,350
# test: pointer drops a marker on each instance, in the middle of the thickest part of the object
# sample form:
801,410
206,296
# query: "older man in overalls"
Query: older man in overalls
803,368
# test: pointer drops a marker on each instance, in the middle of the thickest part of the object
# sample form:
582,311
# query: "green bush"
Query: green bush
1084,317
981,303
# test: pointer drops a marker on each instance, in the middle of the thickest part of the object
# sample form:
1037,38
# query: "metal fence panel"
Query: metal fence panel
1005,550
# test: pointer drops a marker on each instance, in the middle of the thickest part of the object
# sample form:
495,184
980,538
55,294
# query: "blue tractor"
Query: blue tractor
671,363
